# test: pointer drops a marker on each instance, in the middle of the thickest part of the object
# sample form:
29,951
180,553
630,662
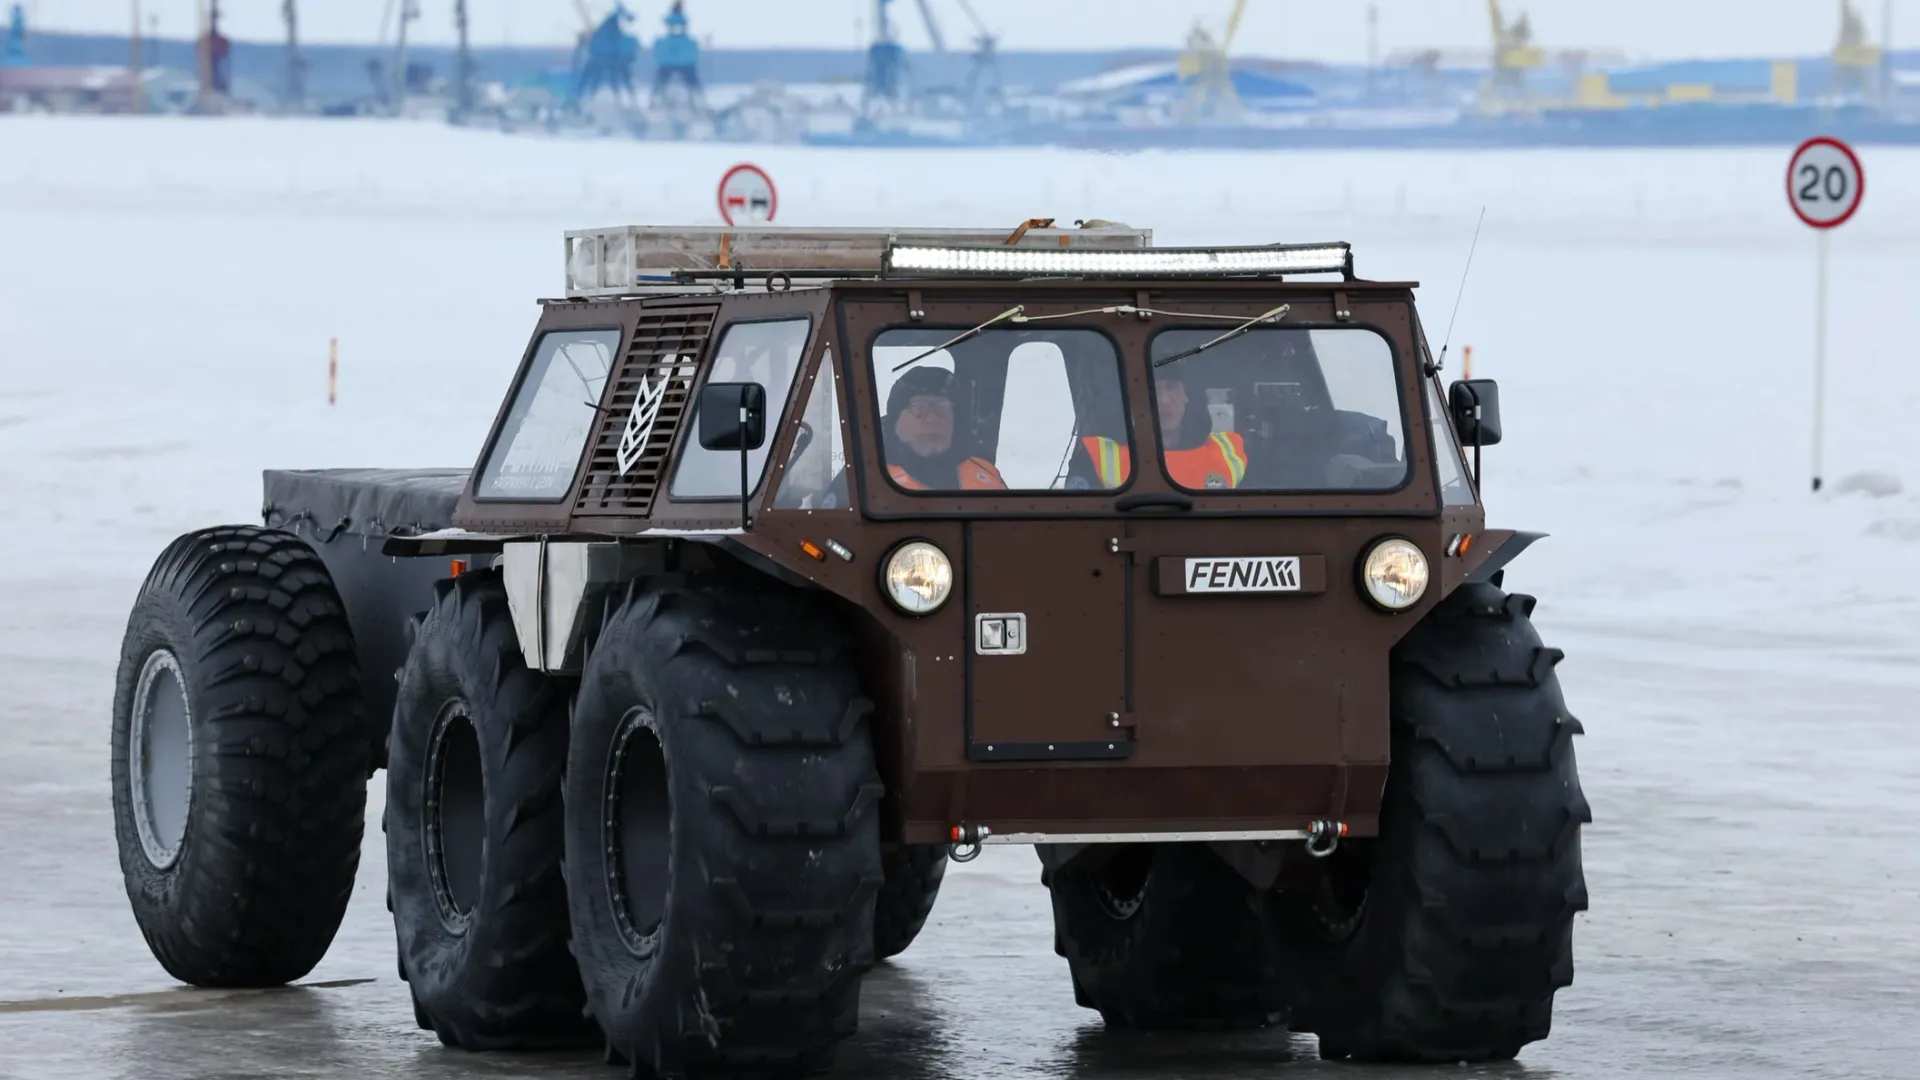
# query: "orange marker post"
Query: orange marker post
1466,361
333,368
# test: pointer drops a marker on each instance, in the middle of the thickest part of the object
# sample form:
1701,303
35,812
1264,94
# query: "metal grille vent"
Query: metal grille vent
627,460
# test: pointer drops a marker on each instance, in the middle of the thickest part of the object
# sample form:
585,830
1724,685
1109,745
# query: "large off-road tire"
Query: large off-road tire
914,873
1457,924
1166,937
723,847
240,758
474,831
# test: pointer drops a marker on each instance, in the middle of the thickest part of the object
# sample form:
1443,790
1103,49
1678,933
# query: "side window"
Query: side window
1455,489
768,353
1003,410
816,476
538,450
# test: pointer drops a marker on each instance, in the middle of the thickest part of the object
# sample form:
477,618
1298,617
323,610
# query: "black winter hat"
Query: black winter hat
920,380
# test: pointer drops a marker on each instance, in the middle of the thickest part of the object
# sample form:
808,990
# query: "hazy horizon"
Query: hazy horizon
1645,29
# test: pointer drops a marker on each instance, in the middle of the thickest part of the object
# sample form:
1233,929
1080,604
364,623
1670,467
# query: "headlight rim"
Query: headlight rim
886,589
1366,555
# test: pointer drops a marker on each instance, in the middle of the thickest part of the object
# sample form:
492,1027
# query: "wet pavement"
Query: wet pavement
1754,870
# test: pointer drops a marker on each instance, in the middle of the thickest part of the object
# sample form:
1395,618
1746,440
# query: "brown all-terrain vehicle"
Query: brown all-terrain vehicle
798,562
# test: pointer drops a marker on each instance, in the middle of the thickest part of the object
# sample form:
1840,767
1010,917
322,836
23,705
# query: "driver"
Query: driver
1197,457
919,433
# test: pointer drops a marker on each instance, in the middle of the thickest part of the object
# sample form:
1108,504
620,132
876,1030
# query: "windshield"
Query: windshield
1004,410
538,450
1280,410
767,353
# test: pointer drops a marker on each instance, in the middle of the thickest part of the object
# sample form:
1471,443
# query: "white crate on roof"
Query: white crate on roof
628,259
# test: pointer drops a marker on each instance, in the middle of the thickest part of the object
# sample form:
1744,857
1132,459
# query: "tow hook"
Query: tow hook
1323,837
966,842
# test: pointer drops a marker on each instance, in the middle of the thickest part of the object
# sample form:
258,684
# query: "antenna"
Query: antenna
1444,345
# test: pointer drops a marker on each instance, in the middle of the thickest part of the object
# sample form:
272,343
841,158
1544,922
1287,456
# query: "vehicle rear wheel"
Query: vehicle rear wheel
1163,936
722,808
1447,940
474,832
240,758
914,873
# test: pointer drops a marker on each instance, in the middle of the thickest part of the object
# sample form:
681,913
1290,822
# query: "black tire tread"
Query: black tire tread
914,873
772,724
279,816
1193,957
522,991
1482,868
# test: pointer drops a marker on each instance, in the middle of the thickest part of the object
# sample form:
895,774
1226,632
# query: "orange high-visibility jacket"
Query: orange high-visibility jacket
1221,461
975,473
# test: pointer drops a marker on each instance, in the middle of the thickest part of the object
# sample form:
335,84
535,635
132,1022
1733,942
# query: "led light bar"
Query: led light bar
1150,262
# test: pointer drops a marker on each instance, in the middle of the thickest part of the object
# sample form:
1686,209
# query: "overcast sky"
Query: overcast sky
1323,29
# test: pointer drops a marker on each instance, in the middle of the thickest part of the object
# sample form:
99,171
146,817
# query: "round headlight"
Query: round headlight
919,577
1395,574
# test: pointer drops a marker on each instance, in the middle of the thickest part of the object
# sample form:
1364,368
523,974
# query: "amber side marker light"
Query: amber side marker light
813,550
459,567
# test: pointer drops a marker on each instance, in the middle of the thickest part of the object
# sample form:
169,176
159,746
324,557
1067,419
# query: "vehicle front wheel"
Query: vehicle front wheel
722,830
914,873
1446,938
474,831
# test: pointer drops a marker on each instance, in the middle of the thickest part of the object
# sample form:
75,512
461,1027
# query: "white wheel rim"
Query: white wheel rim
160,759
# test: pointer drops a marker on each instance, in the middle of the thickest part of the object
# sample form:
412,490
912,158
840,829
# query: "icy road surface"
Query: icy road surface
1744,654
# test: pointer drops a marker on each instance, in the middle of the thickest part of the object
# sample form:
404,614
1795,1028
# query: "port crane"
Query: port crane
14,52
1858,64
1508,62
295,94
887,67
604,56
1207,70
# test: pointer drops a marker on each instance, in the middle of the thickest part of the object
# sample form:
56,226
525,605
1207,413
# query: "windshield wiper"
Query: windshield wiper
1007,314
1272,316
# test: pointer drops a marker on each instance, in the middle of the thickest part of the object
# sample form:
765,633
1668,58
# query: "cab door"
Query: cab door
1046,649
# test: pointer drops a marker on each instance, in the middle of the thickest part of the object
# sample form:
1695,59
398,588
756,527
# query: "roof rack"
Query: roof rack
637,259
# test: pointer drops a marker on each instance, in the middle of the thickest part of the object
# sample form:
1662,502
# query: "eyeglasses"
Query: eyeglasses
928,408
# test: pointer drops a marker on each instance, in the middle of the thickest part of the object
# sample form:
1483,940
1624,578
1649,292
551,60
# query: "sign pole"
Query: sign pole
1824,185
1819,354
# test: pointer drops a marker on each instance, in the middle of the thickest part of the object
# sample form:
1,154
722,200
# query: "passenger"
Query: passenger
919,430
1197,456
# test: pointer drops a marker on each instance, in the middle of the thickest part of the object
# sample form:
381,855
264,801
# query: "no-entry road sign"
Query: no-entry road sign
747,196
1825,182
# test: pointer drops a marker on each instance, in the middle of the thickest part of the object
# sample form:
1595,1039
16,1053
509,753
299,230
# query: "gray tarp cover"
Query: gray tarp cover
363,502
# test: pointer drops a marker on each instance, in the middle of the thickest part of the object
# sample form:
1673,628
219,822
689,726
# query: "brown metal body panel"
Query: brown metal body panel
1234,710
1073,674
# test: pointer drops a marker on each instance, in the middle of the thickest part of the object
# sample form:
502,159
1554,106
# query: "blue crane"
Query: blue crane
605,58
15,52
886,60
676,58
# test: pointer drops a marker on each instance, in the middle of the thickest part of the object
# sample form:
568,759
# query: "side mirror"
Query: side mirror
1475,404
733,416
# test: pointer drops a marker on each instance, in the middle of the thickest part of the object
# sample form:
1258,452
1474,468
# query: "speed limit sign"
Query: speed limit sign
1824,186
1825,182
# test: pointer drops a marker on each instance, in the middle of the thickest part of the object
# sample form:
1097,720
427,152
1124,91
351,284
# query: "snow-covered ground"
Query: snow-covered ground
168,290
